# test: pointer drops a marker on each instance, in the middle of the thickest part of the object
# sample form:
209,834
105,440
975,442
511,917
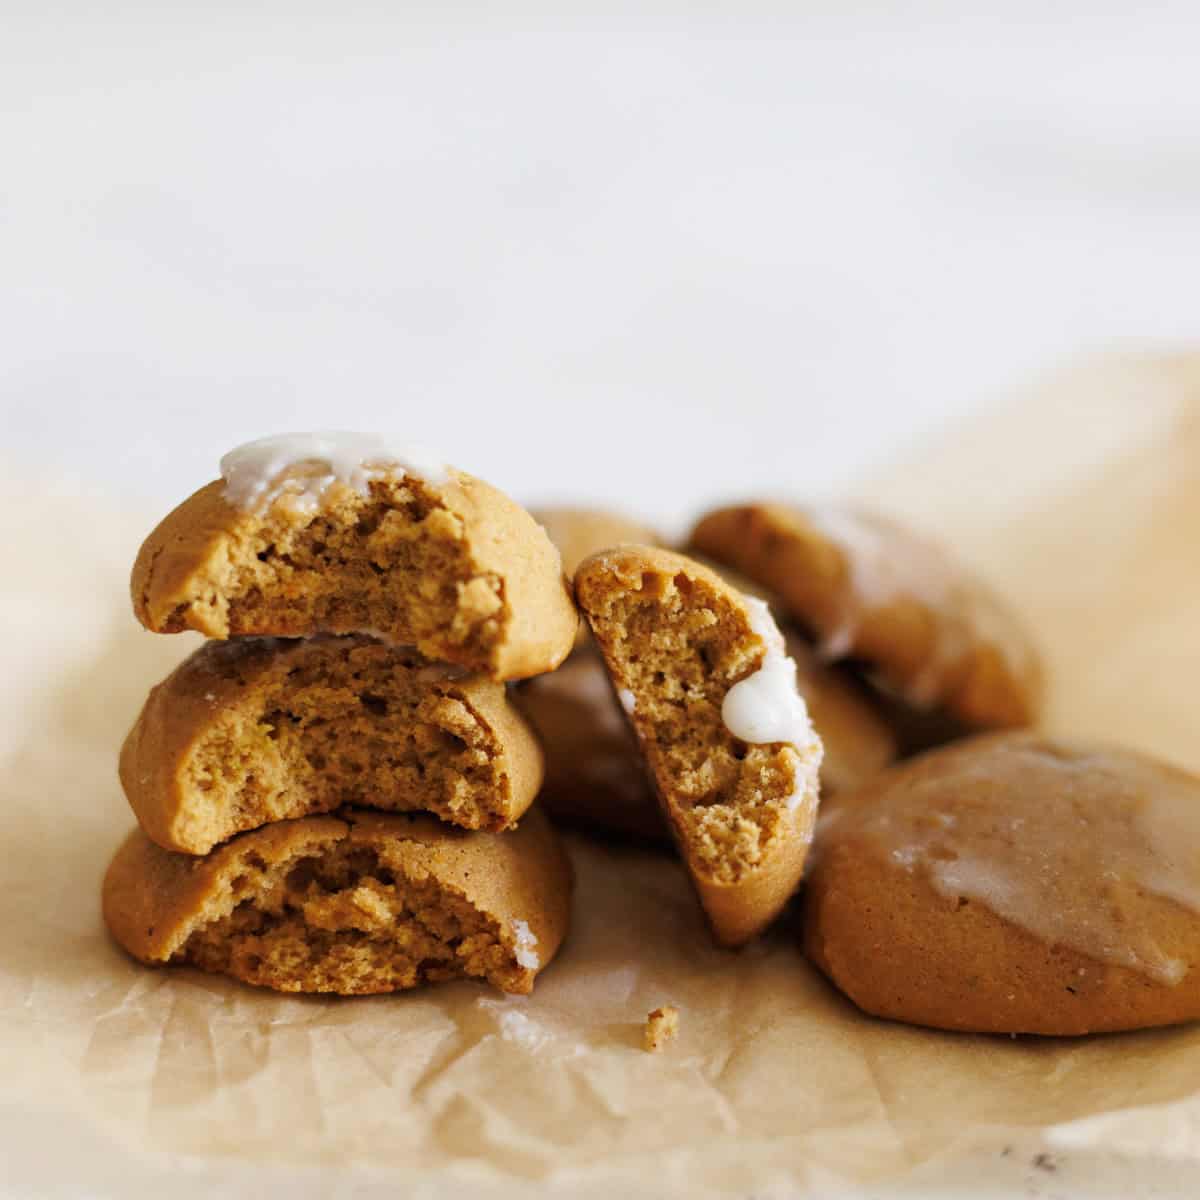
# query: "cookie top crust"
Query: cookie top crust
1013,883
868,589
581,532
440,561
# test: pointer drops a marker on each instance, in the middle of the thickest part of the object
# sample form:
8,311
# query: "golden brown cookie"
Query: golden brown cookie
701,671
869,590
448,564
581,532
858,742
266,729
1013,884
595,776
358,903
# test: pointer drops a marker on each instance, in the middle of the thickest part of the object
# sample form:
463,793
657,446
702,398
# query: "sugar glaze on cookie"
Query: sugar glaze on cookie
867,589
1065,841
881,574
767,706
298,469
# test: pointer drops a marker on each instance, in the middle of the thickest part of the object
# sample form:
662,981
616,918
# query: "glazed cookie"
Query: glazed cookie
264,729
341,533
872,591
702,673
1012,884
595,777
354,904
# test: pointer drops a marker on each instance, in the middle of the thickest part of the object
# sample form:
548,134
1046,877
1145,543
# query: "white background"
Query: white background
651,256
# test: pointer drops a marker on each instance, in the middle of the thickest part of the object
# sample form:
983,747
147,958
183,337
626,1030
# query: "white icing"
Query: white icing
526,941
767,706
298,469
627,699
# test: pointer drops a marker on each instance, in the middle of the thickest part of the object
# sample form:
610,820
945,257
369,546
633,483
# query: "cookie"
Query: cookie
595,777
581,532
354,904
870,590
265,729
858,741
1013,884
701,671
310,534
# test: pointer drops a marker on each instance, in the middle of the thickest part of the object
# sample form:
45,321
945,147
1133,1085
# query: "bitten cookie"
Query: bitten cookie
354,904
1013,884
338,533
701,671
264,729
870,590
595,777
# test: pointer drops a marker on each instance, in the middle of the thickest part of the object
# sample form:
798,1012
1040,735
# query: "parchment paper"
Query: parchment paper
1082,501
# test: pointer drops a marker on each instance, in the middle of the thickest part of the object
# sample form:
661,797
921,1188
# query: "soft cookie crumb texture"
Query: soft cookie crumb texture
397,561
355,723
343,922
662,1026
678,646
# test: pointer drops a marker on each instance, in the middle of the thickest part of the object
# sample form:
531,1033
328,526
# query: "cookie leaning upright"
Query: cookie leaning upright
702,673
870,590
346,533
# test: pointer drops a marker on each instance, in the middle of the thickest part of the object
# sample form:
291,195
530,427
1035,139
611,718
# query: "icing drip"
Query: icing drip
526,942
767,706
1063,843
298,469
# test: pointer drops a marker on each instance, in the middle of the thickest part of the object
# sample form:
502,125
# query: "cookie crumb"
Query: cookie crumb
662,1024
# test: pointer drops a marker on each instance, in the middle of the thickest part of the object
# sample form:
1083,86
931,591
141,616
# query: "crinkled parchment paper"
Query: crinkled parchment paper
1081,501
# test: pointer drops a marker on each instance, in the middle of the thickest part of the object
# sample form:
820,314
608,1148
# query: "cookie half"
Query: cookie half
702,674
353,904
1013,884
312,534
266,729
870,590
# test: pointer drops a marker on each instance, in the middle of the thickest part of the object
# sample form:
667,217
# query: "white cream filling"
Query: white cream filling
526,940
627,699
767,706
297,469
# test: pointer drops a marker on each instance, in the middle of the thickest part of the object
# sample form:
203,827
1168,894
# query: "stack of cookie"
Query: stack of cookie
329,791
